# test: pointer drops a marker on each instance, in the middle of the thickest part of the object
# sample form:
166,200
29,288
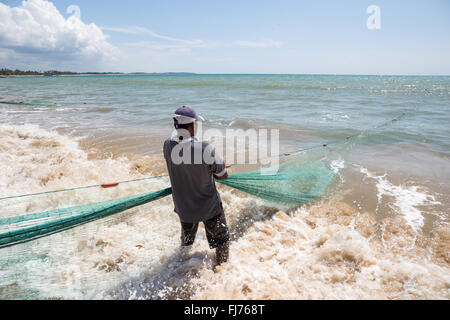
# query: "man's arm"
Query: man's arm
222,177
218,167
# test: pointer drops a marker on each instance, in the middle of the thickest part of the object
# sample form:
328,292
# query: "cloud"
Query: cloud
258,44
159,49
169,48
37,29
161,45
214,60
144,31
35,35
136,30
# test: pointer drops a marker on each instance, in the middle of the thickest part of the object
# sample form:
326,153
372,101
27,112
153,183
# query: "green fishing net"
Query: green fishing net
293,184
40,235
31,226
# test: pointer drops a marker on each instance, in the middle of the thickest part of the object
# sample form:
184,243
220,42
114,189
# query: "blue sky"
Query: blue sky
240,37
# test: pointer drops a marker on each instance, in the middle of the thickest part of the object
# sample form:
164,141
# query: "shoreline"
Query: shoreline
220,74
94,74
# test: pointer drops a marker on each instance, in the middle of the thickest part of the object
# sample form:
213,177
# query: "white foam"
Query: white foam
337,165
287,258
34,160
134,255
406,198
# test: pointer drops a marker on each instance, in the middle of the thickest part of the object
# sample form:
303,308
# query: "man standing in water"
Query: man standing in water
192,166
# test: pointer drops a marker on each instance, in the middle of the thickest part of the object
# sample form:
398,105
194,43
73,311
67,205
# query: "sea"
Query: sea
381,231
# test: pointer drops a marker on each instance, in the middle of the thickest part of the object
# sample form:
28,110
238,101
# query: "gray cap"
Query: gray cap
186,115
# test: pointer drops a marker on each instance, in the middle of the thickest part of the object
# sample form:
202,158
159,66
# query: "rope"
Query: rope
78,188
21,103
28,104
228,166
347,138
334,142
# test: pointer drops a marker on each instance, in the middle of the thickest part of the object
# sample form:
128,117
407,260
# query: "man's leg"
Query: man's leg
222,253
218,237
188,233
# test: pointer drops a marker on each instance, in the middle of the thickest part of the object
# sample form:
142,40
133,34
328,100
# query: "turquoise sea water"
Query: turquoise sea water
307,109
324,106
71,131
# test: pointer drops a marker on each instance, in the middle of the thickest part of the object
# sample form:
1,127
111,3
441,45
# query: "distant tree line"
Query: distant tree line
8,72
17,72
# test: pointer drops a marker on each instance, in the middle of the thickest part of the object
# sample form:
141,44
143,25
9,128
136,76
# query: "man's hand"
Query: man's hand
223,177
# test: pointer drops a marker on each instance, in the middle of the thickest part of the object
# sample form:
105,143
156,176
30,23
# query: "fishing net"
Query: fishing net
41,232
34,240
54,244
293,184
31,226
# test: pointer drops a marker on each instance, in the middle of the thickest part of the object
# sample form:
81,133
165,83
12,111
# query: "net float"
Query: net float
110,184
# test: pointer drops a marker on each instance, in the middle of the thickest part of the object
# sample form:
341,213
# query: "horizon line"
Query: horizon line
112,73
